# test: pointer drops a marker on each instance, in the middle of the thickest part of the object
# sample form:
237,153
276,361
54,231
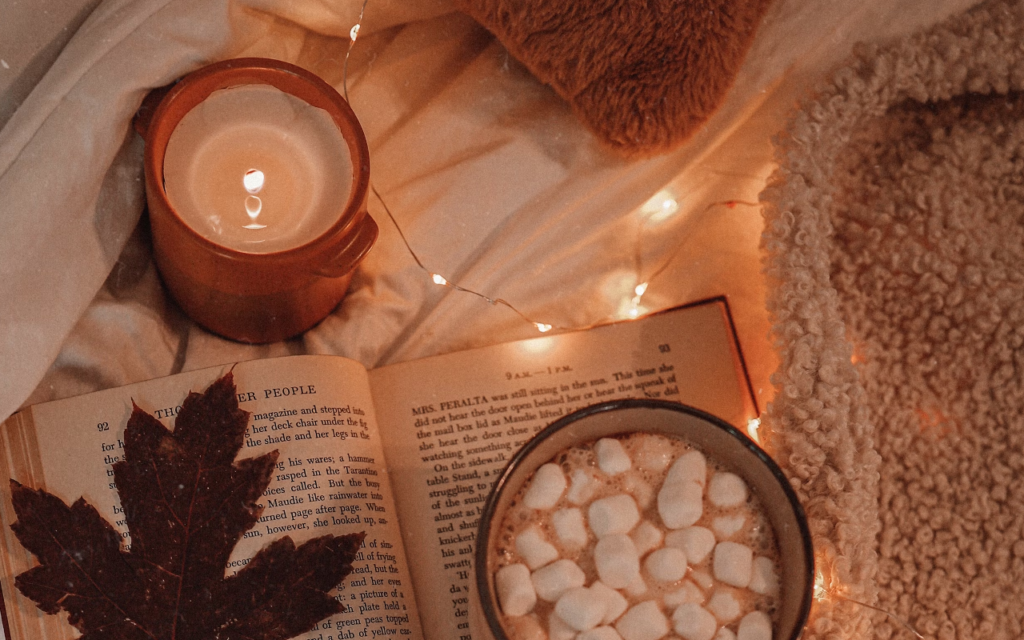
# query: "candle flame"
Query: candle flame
253,181
253,206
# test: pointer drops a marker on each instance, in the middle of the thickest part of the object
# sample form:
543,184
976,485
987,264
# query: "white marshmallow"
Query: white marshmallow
615,604
546,487
580,609
644,621
614,514
725,633
703,580
616,560
611,457
755,626
724,605
534,549
559,629
600,633
763,579
727,490
680,504
726,527
689,592
569,527
666,565
697,542
526,628
694,622
653,453
516,594
637,588
689,467
640,489
732,563
647,537
582,488
552,581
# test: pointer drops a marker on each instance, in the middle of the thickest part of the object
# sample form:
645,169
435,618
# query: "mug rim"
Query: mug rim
484,583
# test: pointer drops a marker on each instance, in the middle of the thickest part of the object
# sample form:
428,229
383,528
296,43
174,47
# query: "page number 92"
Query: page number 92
103,426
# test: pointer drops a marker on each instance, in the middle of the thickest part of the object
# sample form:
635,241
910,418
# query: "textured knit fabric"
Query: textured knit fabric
895,256
642,75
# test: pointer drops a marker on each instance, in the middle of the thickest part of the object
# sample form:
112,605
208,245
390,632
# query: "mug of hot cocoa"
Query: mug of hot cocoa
642,520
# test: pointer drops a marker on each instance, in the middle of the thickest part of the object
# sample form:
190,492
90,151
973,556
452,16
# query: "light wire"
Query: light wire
642,285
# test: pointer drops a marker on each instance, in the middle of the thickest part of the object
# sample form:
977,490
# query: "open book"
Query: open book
406,453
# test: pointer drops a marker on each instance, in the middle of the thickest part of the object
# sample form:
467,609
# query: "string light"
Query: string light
658,208
662,206
753,425
352,35
823,593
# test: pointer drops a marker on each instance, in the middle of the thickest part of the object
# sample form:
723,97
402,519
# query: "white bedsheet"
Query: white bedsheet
495,184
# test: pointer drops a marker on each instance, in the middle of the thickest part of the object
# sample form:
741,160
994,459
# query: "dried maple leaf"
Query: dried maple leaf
187,503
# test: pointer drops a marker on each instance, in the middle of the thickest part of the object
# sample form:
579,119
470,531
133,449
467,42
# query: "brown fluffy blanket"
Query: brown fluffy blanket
644,75
895,244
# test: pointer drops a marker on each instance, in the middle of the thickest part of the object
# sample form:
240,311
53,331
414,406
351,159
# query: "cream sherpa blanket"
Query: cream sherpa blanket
895,242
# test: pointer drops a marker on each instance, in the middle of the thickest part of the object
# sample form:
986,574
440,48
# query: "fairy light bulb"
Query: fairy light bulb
543,328
753,425
662,206
439,279
820,592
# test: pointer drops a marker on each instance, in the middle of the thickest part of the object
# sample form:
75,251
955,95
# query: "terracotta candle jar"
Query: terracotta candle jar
256,177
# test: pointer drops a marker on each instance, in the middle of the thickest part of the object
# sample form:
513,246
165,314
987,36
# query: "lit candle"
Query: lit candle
256,169
257,174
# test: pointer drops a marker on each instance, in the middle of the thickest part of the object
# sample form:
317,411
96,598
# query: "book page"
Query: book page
451,423
330,478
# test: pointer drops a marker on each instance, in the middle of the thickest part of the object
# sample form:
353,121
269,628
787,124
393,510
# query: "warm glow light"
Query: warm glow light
661,206
752,430
354,33
820,592
538,345
439,279
640,289
253,181
543,328
631,309
253,206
